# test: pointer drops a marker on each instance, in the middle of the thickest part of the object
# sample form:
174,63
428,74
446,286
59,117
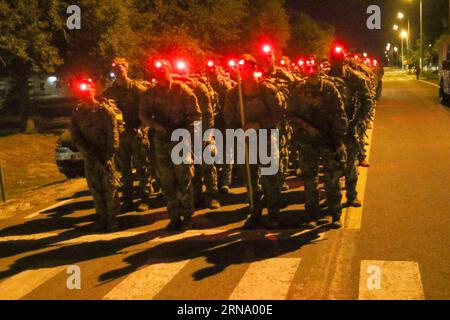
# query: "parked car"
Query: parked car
68,158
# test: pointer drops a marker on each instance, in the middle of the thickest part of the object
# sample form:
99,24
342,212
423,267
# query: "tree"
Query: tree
310,36
27,44
267,21
196,28
108,29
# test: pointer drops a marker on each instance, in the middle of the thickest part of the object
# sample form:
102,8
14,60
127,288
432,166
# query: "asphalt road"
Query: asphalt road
395,247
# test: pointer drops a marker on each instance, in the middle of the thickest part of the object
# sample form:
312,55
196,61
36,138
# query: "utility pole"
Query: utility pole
403,57
408,40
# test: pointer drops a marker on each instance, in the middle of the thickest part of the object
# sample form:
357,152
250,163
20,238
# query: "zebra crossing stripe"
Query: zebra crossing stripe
147,282
20,285
29,237
390,280
267,280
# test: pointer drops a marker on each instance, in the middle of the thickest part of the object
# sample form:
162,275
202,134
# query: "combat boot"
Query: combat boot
225,189
355,203
99,225
337,221
273,222
253,222
186,223
311,219
174,225
143,207
112,225
199,202
211,202
325,220
127,206
364,163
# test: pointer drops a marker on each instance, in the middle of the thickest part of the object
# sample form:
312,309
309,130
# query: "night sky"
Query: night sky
349,18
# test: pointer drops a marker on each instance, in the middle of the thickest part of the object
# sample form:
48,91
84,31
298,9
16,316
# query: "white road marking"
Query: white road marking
37,213
20,285
268,279
400,280
352,217
29,237
430,83
147,282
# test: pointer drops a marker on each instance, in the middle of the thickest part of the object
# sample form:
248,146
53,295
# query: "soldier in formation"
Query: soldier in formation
321,110
263,110
95,127
134,144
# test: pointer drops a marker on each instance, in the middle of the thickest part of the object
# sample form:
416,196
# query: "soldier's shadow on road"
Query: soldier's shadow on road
222,250
64,223
77,195
232,247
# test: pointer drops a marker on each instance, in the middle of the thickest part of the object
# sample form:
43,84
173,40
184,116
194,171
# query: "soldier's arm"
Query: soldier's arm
112,134
206,107
140,87
287,76
293,117
274,107
340,121
86,150
365,98
192,110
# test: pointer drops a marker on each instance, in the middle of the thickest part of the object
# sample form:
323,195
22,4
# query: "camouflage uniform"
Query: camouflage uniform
321,107
358,102
204,172
371,83
266,109
95,132
134,142
220,89
379,73
283,81
165,110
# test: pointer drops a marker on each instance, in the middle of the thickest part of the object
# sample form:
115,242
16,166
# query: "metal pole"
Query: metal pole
2,185
408,39
421,36
247,161
403,57
409,31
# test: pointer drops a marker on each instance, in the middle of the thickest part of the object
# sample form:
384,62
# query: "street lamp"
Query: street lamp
401,16
395,27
